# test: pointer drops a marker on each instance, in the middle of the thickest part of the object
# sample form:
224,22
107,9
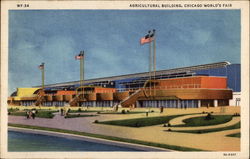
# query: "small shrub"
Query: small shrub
169,125
137,124
69,110
164,125
123,111
203,112
209,117
96,121
79,109
78,114
212,112
169,130
127,111
98,112
236,114
152,111
199,132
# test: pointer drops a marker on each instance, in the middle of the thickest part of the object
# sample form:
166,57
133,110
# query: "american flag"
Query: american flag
80,56
145,40
148,38
41,67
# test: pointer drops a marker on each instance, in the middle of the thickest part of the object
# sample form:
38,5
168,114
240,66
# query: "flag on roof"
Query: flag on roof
145,40
148,38
80,55
41,67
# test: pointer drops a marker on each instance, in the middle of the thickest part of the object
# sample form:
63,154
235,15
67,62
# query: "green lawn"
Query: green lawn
235,135
13,110
201,121
123,113
166,146
201,131
83,111
141,122
40,114
78,115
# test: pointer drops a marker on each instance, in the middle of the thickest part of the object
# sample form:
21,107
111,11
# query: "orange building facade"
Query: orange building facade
186,92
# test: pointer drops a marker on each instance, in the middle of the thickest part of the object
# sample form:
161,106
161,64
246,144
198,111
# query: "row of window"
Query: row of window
169,104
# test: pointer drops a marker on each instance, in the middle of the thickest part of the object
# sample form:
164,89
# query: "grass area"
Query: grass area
78,115
83,111
13,109
40,113
106,112
202,121
141,122
202,131
166,146
235,135
126,112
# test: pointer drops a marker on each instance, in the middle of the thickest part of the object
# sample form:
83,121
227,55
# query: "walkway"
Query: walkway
210,141
180,119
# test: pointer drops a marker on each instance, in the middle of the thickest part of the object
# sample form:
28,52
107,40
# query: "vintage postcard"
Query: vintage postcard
125,79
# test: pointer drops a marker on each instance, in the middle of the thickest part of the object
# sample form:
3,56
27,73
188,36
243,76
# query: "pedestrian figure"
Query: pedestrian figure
61,111
161,109
28,114
33,114
146,113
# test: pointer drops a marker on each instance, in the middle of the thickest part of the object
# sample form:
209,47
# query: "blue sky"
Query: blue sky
110,39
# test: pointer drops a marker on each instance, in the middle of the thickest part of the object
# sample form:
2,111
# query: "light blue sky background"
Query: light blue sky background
110,39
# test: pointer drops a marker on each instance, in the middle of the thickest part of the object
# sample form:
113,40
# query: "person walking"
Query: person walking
33,114
28,114
61,111
161,109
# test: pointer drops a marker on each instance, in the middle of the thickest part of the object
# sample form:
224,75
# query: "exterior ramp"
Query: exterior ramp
40,98
131,99
74,101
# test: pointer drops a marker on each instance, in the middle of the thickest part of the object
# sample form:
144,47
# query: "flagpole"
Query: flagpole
154,58
150,67
81,72
43,76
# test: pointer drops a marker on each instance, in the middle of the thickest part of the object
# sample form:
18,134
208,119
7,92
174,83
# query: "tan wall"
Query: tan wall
67,97
104,96
120,95
49,98
90,96
58,98
195,93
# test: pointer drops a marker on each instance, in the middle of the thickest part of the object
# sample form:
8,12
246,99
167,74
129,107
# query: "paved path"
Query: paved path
179,120
217,142
230,123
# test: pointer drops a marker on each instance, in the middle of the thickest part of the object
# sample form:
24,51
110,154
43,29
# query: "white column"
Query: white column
199,103
215,103
178,104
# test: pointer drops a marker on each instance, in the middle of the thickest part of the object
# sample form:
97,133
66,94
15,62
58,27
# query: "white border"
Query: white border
242,5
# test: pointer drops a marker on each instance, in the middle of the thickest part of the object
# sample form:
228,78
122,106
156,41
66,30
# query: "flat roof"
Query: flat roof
145,74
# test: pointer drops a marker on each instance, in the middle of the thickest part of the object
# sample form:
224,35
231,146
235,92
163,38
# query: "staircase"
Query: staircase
131,99
40,98
74,101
